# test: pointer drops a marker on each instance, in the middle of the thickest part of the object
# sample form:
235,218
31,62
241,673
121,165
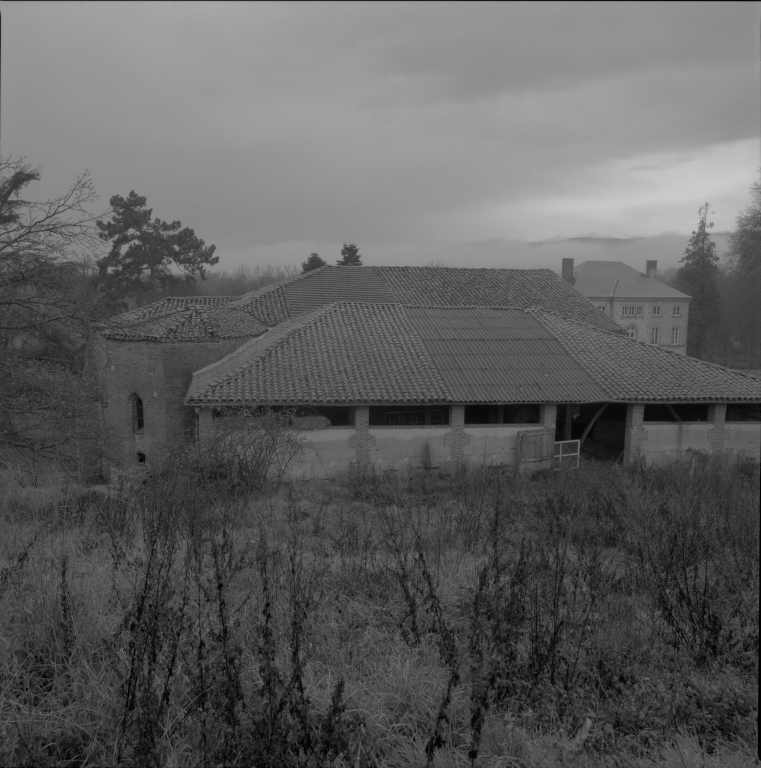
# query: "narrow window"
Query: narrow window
140,458
631,332
677,311
138,423
624,311
656,335
639,311
674,335
657,310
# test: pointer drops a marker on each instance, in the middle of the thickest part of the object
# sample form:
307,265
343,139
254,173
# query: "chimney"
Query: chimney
651,270
568,271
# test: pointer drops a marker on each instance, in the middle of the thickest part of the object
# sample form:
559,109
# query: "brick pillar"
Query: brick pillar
636,434
717,434
360,440
548,416
456,440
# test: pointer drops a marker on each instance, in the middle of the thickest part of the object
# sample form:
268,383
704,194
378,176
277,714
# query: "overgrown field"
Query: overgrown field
590,617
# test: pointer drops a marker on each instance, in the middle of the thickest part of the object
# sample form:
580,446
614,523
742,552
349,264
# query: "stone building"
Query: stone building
395,368
647,309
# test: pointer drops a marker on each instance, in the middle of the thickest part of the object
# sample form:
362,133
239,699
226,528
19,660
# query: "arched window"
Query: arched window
631,331
138,422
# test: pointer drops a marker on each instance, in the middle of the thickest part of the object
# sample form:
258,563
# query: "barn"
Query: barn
397,368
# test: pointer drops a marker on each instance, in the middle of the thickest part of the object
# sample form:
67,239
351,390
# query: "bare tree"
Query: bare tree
47,301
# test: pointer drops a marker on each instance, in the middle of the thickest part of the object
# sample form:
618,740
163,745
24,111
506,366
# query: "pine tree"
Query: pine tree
144,252
698,278
313,262
744,273
351,256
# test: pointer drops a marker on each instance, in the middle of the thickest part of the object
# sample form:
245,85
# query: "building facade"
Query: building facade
647,309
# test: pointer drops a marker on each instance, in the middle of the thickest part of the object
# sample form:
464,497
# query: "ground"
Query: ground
597,616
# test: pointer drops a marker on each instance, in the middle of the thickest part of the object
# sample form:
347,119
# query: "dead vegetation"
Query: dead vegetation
596,617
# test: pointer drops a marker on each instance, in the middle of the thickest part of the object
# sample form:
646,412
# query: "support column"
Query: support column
548,415
717,434
636,434
360,440
456,440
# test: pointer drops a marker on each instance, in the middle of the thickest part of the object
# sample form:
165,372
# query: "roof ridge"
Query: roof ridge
539,309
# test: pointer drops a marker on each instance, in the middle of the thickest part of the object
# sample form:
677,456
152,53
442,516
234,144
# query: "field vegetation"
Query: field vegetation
594,617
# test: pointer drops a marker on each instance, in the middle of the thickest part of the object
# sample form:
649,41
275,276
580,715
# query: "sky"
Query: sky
454,133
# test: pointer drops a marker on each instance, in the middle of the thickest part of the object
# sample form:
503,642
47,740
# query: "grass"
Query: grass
590,618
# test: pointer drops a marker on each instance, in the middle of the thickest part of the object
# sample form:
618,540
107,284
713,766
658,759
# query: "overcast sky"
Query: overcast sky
419,131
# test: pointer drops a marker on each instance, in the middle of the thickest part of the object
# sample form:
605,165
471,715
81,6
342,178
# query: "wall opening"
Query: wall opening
138,419
604,441
140,457
522,413
302,415
743,412
676,412
408,415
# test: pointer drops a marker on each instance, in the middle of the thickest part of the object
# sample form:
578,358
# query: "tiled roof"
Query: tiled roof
330,284
192,323
342,353
440,286
406,285
389,353
632,371
267,304
614,279
496,355
165,307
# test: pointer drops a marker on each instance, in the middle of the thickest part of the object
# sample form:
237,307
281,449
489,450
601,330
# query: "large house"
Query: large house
647,309
392,368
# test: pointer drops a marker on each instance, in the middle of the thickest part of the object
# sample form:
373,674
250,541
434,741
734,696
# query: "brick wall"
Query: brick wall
159,374
718,434
636,435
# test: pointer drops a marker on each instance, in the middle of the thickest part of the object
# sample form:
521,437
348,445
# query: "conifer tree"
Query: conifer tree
697,277
144,252
313,262
350,256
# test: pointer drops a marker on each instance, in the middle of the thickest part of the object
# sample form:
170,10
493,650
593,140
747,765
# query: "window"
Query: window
674,335
523,413
624,311
138,422
631,332
657,310
638,311
677,311
140,458
656,335
603,308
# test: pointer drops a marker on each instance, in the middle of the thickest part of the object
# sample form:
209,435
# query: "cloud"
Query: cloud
394,124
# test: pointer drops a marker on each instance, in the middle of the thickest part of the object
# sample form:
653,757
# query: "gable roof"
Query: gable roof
390,353
614,279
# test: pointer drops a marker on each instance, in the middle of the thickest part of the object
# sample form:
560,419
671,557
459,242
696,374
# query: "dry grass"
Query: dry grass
588,618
